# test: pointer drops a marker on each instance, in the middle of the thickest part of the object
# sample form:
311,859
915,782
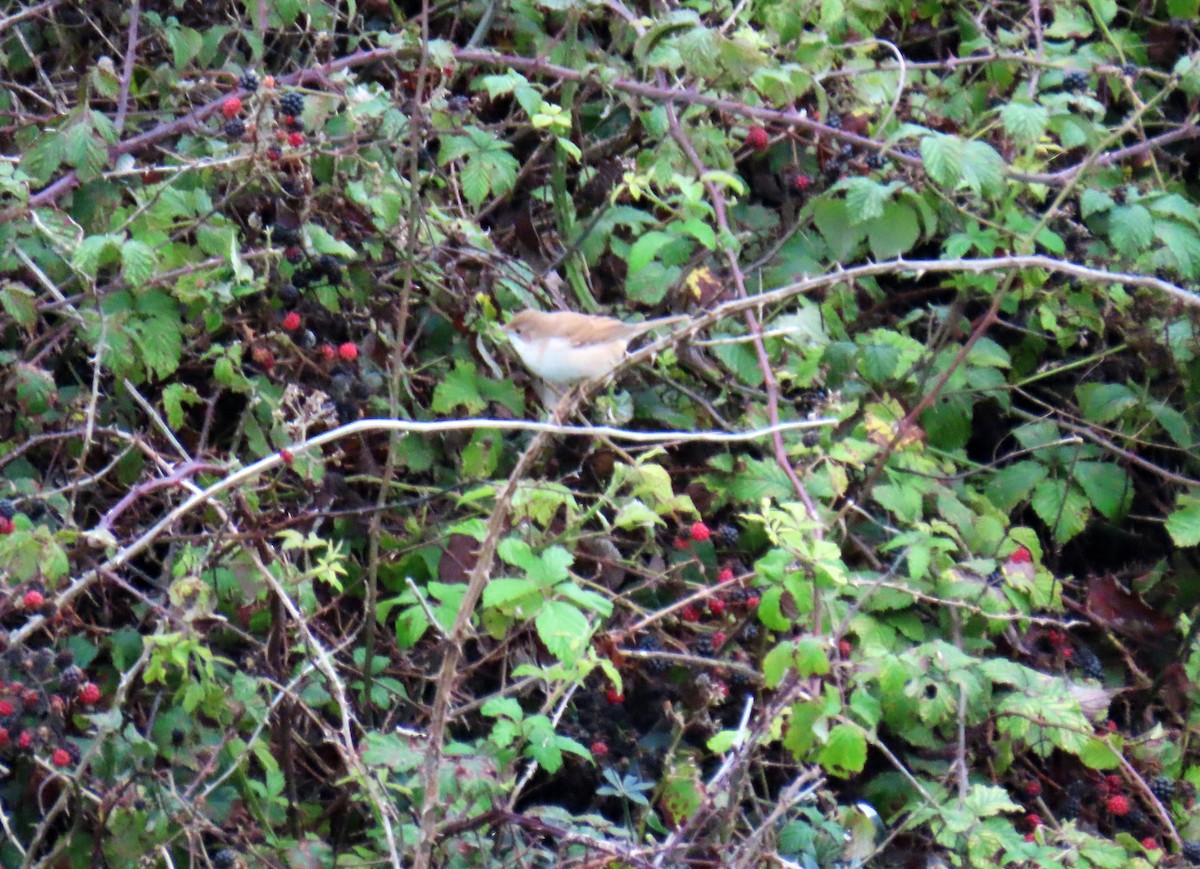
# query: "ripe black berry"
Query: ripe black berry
875,160
235,128
294,255
833,168
1085,659
292,103
224,859
1075,81
726,535
248,81
302,278
308,339
834,121
650,643
7,510
704,646
328,265
1130,69
1191,851
1163,788
289,295
284,235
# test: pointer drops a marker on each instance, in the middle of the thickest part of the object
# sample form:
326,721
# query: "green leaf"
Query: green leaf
1014,484
323,242
19,302
1131,228
1024,121
174,397
844,752
1106,485
138,262
1183,523
895,232
1062,507
1104,402
645,248
457,389
1183,242
43,157
564,630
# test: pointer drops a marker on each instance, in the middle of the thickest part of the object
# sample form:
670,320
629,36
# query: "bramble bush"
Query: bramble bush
886,554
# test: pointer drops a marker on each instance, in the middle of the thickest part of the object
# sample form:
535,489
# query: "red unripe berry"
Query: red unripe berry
757,138
231,107
295,139
801,182
1114,783
716,606
725,575
1118,805
1030,837
274,153
718,639
752,601
6,525
1033,788
844,648
3,737
61,757
288,120
614,696
1034,820
700,532
33,599
1150,843
1021,556
30,697
287,457
348,351
25,739
681,543
6,708
329,352
599,748
689,614
89,693
291,321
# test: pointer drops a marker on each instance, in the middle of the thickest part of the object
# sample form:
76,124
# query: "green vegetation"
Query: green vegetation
888,551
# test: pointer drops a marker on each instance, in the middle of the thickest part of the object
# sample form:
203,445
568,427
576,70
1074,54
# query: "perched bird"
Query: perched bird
565,348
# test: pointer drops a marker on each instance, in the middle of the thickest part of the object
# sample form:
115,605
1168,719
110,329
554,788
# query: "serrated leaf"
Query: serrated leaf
1183,523
1106,485
138,261
644,249
1062,507
563,629
895,232
43,157
1104,402
174,397
1014,484
323,242
865,198
844,752
1092,201
19,302
458,389
1024,121
1184,244
1131,228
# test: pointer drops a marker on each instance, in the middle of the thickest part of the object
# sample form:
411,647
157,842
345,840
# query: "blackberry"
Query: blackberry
284,235
359,389
995,578
248,81
292,103
292,188
738,595
749,632
328,265
704,646
835,121
1075,81
71,677
847,150
1085,659
347,411
1130,69
650,643
303,277
875,160
289,295
833,168
811,438
726,534
1191,851
7,510
293,255
741,679
1163,788
235,128
64,658
308,339
224,859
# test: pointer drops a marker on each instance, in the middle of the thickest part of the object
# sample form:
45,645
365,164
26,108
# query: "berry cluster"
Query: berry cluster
1075,81
7,513
38,690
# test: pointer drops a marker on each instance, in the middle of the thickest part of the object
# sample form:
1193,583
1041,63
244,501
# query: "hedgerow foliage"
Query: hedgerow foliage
901,565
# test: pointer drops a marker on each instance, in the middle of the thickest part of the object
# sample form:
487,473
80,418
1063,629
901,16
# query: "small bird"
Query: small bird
565,348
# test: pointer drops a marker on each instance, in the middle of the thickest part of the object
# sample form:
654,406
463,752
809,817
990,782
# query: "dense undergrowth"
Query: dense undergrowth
889,556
